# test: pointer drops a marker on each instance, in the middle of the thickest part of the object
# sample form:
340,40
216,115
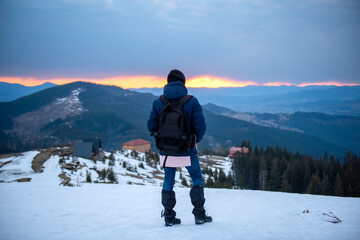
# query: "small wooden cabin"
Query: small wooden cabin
87,148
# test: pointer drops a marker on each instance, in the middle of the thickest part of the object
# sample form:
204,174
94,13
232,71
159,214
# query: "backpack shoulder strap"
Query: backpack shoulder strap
184,99
164,99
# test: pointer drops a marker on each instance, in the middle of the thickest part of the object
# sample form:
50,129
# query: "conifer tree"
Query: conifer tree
315,185
338,188
184,182
285,186
102,174
111,176
307,173
256,150
88,177
209,182
216,174
275,177
111,157
262,174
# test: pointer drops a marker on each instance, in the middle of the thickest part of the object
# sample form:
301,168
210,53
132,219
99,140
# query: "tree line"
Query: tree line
276,169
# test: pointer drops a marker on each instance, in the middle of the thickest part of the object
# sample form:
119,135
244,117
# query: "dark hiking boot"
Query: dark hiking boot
170,221
202,219
168,201
198,201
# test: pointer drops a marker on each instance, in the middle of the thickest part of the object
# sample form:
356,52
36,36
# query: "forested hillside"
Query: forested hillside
277,169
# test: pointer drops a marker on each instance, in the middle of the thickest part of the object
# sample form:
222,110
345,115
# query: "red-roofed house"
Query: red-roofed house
238,150
139,145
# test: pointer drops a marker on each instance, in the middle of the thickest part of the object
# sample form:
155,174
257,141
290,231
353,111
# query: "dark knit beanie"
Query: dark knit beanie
176,75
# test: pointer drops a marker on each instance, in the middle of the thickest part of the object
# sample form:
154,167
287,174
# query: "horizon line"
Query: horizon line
138,82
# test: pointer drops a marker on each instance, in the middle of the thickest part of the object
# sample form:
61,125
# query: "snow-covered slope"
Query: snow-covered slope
31,211
128,168
43,209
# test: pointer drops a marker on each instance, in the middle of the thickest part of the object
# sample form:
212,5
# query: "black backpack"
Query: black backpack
174,136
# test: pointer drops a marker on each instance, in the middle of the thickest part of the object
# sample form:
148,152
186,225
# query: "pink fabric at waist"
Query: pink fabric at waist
175,161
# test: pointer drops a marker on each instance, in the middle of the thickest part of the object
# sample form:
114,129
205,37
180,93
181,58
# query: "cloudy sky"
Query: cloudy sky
219,41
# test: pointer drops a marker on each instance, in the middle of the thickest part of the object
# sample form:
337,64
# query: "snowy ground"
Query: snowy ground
41,209
117,211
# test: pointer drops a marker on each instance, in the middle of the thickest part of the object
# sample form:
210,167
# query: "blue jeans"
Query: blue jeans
194,171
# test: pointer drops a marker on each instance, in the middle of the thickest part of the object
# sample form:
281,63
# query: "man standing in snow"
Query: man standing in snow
174,92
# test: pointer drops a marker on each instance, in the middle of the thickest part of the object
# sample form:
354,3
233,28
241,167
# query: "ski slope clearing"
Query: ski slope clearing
127,168
39,210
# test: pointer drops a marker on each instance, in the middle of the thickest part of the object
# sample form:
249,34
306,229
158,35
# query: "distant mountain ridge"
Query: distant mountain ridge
340,130
282,99
13,91
82,110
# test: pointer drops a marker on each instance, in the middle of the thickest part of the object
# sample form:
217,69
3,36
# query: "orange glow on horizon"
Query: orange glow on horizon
206,81
277,84
331,83
214,82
